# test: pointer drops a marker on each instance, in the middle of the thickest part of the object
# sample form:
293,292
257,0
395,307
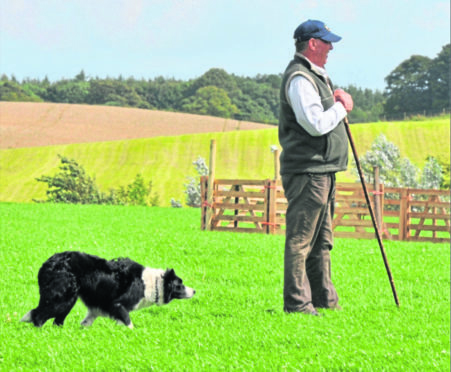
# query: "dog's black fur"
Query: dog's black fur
107,288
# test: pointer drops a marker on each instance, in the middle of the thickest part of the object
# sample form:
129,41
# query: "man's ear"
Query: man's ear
312,43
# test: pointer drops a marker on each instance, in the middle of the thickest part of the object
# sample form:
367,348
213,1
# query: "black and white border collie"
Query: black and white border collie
107,288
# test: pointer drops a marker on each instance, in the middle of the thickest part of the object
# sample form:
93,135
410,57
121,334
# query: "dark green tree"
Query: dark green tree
100,90
210,100
214,77
368,105
68,91
80,76
439,77
115,93
36,87
258,99
407,88
11,90
164,94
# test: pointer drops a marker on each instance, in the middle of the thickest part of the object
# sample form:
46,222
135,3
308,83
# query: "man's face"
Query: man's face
320,50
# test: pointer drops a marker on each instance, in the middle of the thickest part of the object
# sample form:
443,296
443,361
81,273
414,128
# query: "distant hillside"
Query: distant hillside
167,160
30,124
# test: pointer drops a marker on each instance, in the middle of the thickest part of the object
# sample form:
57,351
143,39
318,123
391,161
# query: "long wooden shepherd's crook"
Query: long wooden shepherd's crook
373,218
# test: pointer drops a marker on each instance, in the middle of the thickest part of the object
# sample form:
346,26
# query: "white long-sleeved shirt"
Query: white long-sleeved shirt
306,104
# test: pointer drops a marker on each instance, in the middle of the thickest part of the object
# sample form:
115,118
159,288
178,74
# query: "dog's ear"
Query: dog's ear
170,273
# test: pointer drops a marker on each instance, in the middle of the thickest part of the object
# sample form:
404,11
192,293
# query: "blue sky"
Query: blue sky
183,39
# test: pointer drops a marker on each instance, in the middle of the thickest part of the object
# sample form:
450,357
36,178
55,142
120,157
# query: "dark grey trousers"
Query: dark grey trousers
309,239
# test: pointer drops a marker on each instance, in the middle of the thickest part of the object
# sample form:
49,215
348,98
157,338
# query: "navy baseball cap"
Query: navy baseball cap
316,30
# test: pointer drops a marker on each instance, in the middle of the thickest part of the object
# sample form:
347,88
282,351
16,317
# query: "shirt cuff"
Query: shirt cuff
340,110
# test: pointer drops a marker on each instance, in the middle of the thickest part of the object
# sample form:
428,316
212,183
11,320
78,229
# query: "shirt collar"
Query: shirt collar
314,67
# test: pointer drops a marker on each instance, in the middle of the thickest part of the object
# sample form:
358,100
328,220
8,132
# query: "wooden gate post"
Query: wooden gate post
203,201
403,232
276,163
271,206
377,198
210,187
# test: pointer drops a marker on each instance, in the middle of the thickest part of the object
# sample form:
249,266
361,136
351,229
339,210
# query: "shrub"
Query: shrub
431,175
137,193
176,203
396,171
73,186
192,188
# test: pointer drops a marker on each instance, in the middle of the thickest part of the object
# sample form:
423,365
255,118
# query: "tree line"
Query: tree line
418,86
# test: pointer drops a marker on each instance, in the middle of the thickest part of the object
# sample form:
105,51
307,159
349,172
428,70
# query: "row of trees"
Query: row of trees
215,93
418,85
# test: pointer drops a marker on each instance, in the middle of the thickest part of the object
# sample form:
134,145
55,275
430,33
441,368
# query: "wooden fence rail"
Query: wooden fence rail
259,206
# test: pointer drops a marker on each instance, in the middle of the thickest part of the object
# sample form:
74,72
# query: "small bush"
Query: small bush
73,186
176,203
137,193
192,188
399,172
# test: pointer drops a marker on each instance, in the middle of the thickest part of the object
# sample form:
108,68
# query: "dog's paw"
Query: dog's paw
120,322
27,317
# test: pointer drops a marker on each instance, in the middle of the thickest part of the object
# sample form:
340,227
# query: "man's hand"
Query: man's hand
345,99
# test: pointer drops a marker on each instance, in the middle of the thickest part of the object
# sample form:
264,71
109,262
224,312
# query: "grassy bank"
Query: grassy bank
235,320
167,161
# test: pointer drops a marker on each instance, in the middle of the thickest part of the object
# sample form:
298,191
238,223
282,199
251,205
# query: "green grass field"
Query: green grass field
235,321
167,161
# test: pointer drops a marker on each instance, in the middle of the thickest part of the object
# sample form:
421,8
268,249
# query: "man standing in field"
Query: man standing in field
314,147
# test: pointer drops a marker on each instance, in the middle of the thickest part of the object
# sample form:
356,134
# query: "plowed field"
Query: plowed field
27,124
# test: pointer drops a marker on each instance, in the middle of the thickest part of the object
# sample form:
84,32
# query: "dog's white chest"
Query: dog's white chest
153,288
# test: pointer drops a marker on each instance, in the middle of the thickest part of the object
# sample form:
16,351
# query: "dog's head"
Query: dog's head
174,287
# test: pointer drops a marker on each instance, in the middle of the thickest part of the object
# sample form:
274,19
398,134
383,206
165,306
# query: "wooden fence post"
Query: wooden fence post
203,201
237,200
377,198
276,164
403,217
271,206
211,181
385,229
